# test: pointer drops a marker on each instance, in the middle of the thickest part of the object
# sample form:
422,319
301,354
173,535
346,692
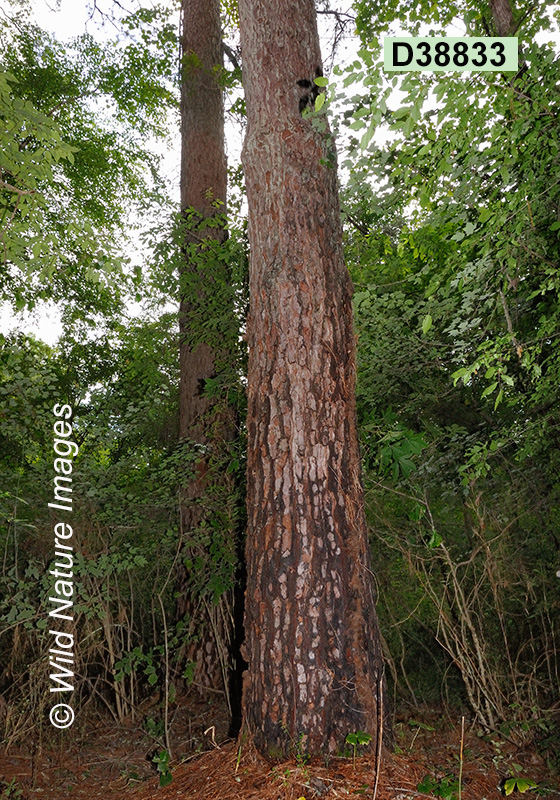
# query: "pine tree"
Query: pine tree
312,642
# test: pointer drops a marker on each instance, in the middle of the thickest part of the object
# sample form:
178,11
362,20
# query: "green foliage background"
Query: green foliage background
453,242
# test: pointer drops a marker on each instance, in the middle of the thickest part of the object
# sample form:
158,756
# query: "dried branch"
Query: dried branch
231,55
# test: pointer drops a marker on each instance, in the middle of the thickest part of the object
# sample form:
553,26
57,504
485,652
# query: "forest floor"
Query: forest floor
101,759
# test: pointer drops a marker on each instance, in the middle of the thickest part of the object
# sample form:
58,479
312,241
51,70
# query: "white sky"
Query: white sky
65,18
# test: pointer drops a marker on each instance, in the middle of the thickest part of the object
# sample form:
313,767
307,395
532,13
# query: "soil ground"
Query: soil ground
105,760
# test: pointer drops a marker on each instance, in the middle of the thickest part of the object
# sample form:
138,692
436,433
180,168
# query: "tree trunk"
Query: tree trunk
203,189
312,642
203,159
502,16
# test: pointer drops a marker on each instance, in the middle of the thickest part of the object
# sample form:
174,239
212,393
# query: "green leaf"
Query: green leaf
524,784
322,81
463,373
416,513
320,101
509,786
489,389
165,779
366,138
435,539
426,323
427,785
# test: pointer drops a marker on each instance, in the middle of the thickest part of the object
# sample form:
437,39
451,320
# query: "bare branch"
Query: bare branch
231,55
341,16
9,186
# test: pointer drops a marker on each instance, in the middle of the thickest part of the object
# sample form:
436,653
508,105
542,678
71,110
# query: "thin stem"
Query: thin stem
461,754
166,695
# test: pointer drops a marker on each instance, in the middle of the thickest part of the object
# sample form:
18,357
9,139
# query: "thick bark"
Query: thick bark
203,159
203,183
312,641
502,16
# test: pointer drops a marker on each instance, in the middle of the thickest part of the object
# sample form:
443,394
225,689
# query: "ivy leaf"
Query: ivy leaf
319,102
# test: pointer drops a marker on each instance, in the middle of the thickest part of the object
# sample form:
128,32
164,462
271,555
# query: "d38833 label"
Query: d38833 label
482,54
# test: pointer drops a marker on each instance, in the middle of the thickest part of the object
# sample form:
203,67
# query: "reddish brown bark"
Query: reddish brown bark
203,183
203,159
312,641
